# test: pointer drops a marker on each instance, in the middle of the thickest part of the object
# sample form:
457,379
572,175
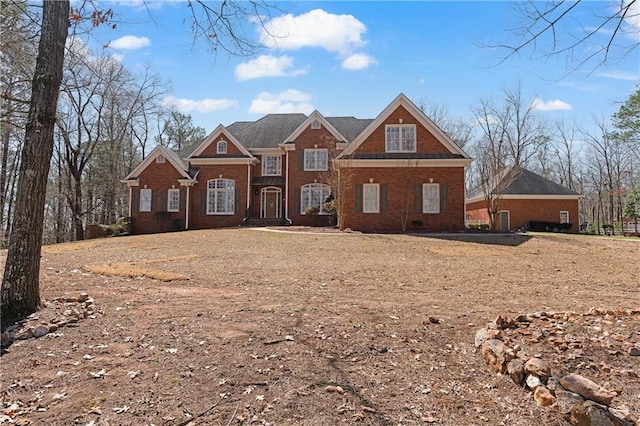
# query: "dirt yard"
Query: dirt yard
304,328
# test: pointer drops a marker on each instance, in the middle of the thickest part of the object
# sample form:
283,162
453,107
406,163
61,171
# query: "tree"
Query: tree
560,28
632,207
20,284
178,132
627,122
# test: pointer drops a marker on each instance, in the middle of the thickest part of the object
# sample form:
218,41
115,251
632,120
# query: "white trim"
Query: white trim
286,189
526,197
364,197
131,182
316,151
146,191
266,151
287,146
130,201
263,193
248,190
400,127
225,191
220,130
402,100
264,164
384,163
220,161
508,212
159,150
169,192
220,144
186,213
437,187
568,217
315,115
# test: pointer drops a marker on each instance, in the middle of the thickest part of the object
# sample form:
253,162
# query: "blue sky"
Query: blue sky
353,58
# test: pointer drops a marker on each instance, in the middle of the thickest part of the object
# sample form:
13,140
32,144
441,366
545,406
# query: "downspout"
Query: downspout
246,214
130,200
286,191
186,213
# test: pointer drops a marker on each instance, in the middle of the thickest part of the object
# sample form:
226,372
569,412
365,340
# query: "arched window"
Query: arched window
222,147
313,196
221,196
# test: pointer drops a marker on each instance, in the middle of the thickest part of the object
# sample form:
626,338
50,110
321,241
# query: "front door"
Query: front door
504,221
271,203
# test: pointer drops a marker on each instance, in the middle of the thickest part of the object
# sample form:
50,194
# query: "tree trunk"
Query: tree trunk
20,285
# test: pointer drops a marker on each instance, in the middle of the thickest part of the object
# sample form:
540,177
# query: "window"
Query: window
271,165
315,125
314,195
371,198
173,200
222,147
145,200
315,159
160,159
430,198
564,216
221,196
401,138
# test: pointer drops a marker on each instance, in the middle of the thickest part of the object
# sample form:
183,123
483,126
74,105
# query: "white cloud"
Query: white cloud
130,42
620,75
289,101
334,33
267,66
632,18
358,61
203,105
555,105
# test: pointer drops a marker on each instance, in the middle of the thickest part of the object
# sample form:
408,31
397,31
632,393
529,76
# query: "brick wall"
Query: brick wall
400,188
159,177
212,148
522,212
426,142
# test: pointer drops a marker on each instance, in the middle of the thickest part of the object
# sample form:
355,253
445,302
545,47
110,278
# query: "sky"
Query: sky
353,58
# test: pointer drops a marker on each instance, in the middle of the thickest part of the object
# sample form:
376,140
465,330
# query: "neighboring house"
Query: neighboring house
524,197
396,172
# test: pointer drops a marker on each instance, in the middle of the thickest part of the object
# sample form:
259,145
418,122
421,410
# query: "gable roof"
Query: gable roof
268,132
220,130
169,155
315,115
522,182
402,100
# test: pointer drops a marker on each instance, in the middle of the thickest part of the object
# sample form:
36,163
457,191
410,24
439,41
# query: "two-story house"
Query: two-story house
396,172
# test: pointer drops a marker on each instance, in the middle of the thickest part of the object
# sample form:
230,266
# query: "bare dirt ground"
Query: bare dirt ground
282,328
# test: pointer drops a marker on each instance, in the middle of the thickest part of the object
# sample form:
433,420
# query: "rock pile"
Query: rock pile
67,311
578,399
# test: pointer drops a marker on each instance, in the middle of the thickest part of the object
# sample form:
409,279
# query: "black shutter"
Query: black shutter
383,198
183,199
297,204
358,198
135,201
417,197
203,201
444,198
301,160
163,202
237,202
154,198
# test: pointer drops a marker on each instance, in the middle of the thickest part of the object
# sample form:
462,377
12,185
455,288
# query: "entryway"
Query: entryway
271,203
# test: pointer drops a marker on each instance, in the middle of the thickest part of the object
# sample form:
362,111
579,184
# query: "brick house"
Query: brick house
525,197
396,172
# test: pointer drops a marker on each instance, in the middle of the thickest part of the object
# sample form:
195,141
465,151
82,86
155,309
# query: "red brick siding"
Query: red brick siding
160,177
522,212
298,177
238,173
212,149
400,185
426,142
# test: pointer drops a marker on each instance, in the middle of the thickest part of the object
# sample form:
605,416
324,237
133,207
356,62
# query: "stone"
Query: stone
565,400
503,323
533,382
83,297
588,389
25,334
40,330
590,413
484,334
539,368
543,397
634,351
495,353
515,370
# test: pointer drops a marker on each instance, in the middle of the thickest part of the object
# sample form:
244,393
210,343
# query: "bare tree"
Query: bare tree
20,284
558,28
